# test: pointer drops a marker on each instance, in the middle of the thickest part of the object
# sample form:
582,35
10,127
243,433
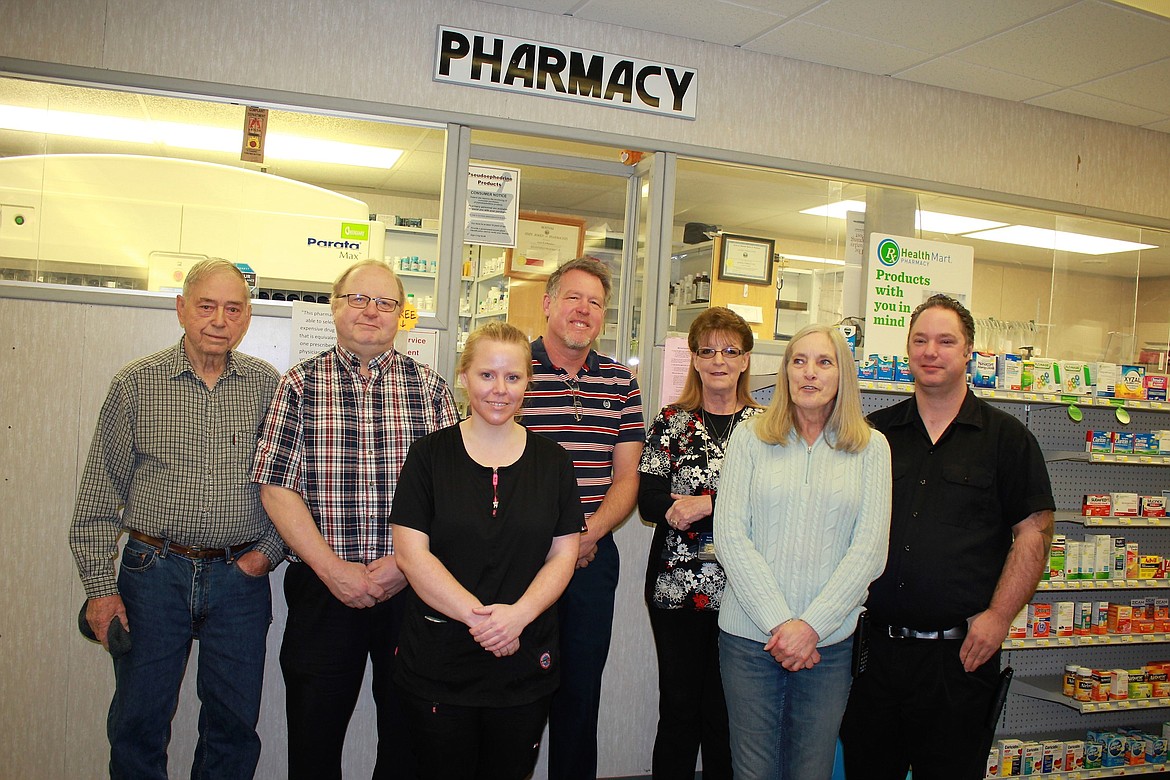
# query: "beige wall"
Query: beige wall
749,104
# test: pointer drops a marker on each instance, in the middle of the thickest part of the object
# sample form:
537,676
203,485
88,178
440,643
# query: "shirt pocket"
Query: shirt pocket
968,495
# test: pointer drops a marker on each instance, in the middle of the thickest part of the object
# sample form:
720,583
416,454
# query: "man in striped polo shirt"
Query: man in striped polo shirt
591,405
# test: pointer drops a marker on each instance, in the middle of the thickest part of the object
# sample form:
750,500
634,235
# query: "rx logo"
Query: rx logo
888,252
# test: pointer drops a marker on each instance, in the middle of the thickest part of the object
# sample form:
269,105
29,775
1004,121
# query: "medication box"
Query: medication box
1105,377
1046,375
982,368
1155,387
1009,370
1132,383
1074,377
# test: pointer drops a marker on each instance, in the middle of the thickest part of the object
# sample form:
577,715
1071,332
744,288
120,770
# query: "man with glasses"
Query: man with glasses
591,406
330,451
169,466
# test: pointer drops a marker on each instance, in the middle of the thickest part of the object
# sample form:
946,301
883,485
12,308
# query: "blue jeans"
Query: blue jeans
585,612
171,600
783,724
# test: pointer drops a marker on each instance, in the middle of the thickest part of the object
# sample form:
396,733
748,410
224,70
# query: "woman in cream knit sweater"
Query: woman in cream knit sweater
801,529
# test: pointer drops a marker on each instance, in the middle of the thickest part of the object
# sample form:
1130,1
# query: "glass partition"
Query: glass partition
112,189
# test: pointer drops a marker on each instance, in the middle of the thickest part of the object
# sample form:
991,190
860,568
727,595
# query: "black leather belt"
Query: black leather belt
899,632
200,553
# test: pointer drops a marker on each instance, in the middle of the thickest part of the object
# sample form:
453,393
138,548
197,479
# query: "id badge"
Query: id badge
707,546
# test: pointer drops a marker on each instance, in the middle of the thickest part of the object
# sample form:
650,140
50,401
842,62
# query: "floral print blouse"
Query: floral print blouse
683,456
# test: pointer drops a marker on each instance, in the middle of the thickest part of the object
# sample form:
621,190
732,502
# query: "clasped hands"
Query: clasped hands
497,628
794,645
361,585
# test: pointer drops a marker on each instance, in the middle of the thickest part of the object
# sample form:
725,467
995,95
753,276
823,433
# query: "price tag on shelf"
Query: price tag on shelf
1123,705
1064,640
1089,707
1125,638
1042,642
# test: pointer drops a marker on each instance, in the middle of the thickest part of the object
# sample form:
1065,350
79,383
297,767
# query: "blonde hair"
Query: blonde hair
341,280
717,319
847,429
500,333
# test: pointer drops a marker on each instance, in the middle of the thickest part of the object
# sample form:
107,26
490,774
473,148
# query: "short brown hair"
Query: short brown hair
940,301
717,319
340,282
590,265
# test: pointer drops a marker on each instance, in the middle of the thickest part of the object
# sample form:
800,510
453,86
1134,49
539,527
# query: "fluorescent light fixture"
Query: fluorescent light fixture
185,136
807,259
836,210
1043,238
932,221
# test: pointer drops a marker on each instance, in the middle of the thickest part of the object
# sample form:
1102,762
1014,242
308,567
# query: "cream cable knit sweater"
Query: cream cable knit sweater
801,532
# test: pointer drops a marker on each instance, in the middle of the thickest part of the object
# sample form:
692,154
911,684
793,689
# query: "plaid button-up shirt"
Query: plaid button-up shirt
340,439
171,458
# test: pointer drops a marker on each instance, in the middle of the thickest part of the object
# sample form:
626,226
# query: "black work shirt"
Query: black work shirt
955,502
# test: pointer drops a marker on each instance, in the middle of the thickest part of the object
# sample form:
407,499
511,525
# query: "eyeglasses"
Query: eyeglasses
360,301
728,352
576,388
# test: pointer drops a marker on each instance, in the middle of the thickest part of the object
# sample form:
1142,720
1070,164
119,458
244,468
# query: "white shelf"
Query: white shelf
1113,521
1018,396
412,230
1086,641
1128,583
1049,689
419,274
1113,771
1077,456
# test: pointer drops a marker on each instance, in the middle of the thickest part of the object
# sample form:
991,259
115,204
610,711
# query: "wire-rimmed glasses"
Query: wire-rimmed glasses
361,301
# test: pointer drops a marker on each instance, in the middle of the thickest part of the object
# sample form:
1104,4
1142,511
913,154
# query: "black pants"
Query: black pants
323,658
481,743
916,707
691,710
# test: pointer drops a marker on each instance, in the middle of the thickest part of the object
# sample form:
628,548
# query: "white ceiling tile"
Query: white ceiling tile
1082,43
936,26
547,6
955,74
704,20
812,43
1146,86
1075,102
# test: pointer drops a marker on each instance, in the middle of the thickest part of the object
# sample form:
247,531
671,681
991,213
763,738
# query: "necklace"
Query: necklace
721,437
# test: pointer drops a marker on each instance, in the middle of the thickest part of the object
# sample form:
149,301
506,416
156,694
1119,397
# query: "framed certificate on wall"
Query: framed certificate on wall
544,242
745,259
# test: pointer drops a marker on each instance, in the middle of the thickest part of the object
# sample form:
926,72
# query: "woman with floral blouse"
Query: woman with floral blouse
684,583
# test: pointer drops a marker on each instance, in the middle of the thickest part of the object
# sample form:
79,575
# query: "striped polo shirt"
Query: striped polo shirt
605,396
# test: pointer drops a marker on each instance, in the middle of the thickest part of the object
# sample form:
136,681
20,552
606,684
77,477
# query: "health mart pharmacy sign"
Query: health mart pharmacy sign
904,272
479,59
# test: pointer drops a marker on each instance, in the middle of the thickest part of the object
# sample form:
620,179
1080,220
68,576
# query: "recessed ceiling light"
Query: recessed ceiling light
1043,238
185,136
932,221
808,259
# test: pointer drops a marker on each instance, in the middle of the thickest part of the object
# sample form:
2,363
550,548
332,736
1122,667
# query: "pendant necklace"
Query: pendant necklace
495,490
720,437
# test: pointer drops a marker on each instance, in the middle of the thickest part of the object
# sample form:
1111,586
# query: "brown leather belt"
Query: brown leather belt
201,553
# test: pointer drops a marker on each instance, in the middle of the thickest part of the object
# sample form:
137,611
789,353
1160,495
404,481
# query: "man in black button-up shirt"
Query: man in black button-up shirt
972,521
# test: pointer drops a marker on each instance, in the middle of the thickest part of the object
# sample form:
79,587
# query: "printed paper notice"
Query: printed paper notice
312,331
493,200
676,362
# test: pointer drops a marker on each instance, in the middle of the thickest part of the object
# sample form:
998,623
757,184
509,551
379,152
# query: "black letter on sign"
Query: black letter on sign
453,45
495,58
522,65
619,81
640,85
679,88
552,62
582,80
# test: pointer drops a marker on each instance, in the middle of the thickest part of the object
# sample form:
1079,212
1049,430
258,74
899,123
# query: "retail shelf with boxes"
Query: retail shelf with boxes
1036,708
413,254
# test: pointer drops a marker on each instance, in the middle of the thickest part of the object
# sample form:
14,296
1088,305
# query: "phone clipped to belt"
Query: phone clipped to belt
861,644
